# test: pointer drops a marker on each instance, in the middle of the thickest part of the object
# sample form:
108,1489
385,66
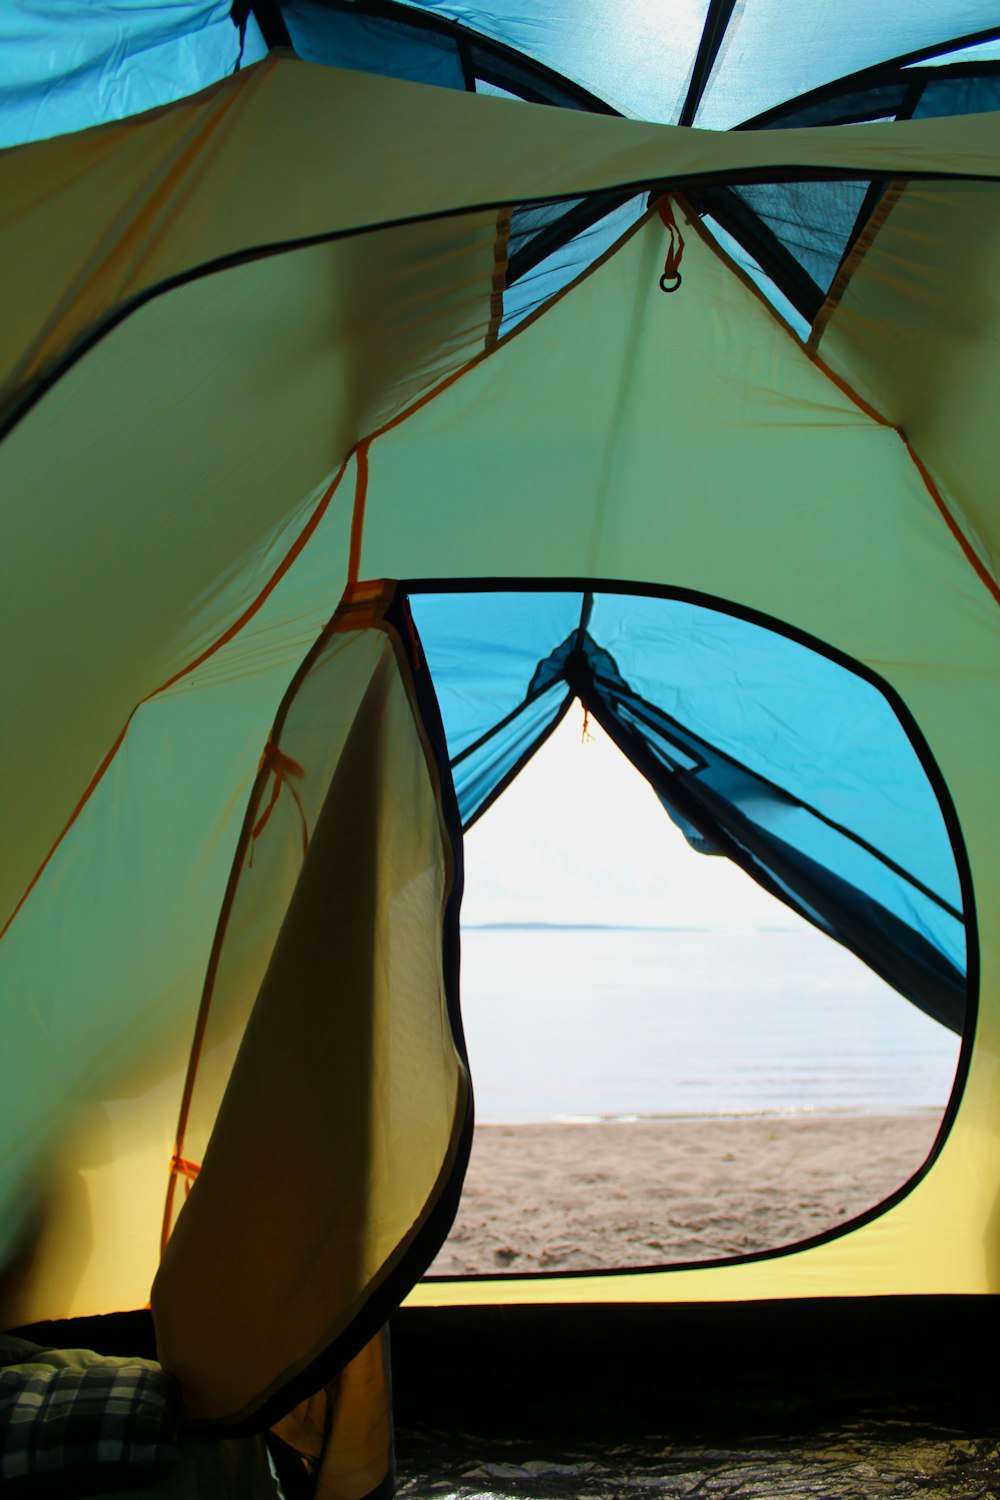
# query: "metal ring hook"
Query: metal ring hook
670,285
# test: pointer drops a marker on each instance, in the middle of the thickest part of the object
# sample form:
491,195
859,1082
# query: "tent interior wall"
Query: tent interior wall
348,435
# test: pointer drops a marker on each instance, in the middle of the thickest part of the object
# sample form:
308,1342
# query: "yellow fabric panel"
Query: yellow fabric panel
92,1186
160,483
286,150
101,973
313,739
103,969
342,1118
917,333
347,1427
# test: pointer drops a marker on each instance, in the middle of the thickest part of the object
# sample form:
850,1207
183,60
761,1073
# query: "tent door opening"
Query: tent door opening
760,748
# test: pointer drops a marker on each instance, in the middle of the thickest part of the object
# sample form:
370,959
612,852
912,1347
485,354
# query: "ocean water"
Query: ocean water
611,1023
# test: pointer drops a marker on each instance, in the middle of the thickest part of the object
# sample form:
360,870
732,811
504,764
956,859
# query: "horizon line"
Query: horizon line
620,926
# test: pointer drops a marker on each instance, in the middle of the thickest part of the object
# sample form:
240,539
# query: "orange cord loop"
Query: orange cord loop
671,278
282,767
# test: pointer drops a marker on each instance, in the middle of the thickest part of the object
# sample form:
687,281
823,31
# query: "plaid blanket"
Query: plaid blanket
97,1424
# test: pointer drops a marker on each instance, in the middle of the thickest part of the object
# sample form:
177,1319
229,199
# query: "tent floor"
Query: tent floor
848,1400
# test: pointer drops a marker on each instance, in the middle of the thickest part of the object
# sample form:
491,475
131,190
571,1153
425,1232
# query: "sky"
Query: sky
580,837
777,1018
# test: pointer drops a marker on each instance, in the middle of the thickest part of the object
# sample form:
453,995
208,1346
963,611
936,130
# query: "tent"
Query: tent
371,388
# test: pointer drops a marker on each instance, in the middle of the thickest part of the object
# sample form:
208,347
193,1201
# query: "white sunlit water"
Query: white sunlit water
723,1002
585,1023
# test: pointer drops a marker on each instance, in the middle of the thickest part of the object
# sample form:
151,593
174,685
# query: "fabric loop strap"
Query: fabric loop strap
671,278
282,766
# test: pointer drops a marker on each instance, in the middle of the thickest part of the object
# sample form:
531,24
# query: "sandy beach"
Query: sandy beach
559,1197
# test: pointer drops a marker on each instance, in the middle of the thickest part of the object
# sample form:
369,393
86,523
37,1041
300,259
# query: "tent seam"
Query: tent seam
501,263
968,551
852,261
370,609
226,908
363,446
232,630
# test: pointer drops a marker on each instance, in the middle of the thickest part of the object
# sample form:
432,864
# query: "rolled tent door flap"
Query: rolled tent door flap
335,1162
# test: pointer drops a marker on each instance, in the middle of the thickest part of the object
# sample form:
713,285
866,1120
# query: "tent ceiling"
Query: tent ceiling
720,64
713,63
642,57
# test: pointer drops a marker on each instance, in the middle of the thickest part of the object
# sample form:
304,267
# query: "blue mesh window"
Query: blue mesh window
811,222
770,289
557,269
959,96
372,44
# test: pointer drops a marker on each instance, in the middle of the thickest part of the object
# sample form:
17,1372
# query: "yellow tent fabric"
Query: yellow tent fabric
284,152
237,372
346,1105
910,334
